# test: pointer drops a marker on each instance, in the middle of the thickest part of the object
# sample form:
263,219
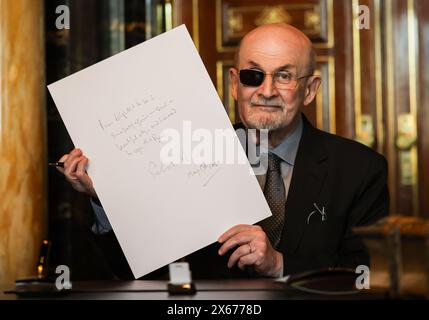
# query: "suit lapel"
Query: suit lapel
307,180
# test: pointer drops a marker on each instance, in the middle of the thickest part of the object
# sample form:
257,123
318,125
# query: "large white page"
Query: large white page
116,110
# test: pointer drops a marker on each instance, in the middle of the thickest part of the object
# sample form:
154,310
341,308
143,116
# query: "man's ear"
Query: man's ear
311,90
233,79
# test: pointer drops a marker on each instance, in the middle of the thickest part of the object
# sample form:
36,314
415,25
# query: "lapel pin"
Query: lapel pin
321,212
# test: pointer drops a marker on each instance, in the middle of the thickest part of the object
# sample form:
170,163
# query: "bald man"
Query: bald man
317,185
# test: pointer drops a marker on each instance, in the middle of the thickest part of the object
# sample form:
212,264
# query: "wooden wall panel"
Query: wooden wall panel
373,80
422,11
401,78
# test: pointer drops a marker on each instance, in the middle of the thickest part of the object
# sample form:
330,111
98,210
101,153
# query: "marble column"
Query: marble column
22,137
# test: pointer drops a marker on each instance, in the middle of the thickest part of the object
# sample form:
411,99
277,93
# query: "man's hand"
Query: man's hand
74,170
254,249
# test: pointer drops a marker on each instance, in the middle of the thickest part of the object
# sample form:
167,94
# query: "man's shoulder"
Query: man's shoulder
346,149
343,149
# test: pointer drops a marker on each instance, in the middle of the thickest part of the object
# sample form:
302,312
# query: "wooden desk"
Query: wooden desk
258,289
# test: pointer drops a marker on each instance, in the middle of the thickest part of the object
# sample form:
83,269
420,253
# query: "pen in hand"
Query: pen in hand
56,164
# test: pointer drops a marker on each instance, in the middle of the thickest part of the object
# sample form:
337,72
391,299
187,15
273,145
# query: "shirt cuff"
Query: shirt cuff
101,224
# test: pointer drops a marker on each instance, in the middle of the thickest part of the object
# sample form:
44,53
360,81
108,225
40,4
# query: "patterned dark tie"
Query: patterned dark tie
274,192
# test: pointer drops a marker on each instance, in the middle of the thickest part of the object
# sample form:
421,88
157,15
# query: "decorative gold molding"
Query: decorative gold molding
219,78
273,14
407,132
326,45
332,105
220,85
356,71
231,106
378,77
168,15
408,158
330,20
319,108
177,12
331,95
311,20
159,19
196,23
367,136
412,41
412,72
219,27
390,103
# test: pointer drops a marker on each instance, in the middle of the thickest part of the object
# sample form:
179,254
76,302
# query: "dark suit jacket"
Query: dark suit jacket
343,178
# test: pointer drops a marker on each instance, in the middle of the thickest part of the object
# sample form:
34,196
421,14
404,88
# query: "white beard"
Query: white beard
255,121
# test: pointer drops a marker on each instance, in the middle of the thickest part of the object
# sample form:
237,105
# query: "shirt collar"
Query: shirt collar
288,148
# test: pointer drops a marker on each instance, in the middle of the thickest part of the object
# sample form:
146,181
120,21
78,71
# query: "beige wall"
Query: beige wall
22,137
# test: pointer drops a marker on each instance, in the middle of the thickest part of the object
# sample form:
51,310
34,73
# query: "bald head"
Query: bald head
279,39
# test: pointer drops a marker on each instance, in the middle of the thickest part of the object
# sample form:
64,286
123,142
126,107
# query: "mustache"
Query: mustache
267,102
